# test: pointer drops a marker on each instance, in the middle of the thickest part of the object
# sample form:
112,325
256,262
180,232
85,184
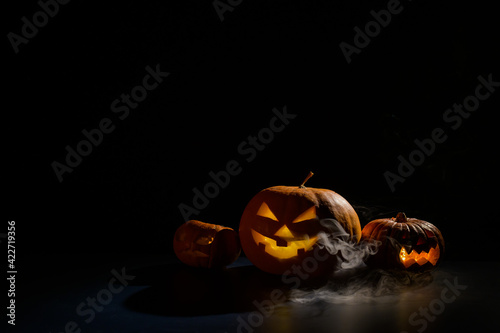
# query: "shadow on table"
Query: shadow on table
178,290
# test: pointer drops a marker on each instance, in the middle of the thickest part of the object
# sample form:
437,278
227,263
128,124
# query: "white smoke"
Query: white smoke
352,281
337,242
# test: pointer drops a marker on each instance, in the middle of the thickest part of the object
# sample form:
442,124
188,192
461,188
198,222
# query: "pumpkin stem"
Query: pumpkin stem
305,180
401,217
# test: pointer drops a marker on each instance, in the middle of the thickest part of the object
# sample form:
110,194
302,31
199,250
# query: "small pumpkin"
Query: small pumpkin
201,244
405,243
280,225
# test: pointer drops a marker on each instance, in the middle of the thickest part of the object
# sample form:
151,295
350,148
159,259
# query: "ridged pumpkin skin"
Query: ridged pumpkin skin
405,243
201,244
279,226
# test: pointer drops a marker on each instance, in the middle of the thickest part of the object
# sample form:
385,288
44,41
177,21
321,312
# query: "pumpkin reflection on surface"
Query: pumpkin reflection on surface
202,244
279,227
406,243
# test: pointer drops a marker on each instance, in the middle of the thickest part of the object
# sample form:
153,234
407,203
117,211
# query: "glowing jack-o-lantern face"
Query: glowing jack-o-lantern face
421,258
202,244
279,227
406,243
290,243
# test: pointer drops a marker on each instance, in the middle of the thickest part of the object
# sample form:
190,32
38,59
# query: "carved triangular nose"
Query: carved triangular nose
284,232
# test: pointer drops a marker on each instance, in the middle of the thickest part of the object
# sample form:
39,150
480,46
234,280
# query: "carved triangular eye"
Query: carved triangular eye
309,214
265,211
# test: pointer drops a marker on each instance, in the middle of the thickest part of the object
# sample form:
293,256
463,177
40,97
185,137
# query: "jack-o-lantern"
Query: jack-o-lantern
280,225
202,244
405,243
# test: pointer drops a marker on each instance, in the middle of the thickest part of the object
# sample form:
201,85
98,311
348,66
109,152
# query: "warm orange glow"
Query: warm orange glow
420,258
309,214
284,252
205,240
284,233
265,211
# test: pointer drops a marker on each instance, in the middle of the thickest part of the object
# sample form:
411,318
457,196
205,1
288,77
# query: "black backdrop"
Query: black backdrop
352,120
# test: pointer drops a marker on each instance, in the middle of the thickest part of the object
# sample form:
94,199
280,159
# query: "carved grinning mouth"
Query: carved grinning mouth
195,253
419,258
193,249
285,248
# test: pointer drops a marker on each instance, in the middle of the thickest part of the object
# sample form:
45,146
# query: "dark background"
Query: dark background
353,120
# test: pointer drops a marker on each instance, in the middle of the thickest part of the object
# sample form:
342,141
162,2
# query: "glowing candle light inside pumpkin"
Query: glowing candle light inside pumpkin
406,243
280,227
201,244
420,258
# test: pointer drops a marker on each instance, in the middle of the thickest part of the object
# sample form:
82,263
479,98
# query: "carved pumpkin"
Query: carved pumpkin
202,244
279,227
406,243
